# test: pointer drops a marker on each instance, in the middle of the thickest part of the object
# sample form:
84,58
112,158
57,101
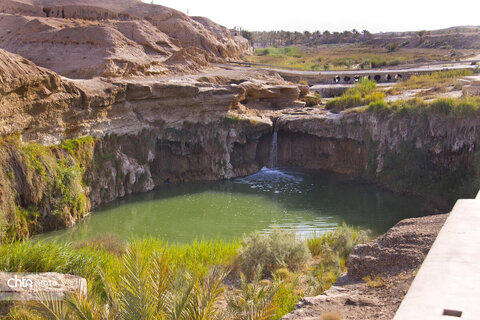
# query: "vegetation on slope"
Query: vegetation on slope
343,57
464,107
41,187
435,81
362,93
152,279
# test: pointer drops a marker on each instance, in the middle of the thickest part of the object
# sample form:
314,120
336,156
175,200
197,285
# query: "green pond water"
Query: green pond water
300,200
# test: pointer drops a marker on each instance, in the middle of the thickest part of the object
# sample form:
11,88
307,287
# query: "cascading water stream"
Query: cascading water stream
273,149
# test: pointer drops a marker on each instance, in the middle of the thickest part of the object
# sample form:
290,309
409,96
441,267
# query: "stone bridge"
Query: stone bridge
351,76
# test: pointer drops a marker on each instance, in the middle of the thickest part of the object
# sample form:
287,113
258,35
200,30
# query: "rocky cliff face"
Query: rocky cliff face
434,153
68,146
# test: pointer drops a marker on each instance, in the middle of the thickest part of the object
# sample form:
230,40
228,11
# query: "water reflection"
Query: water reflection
302,200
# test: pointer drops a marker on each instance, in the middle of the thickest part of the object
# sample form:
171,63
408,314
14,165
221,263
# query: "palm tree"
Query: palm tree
255,300
144,290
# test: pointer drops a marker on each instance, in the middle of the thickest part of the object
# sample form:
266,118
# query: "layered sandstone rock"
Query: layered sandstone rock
21,8
84,39
126,106
33,96
259,94
89,49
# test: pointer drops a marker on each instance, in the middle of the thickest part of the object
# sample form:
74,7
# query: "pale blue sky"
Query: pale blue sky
334,15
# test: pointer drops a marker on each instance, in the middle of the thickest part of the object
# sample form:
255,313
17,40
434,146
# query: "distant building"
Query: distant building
236,31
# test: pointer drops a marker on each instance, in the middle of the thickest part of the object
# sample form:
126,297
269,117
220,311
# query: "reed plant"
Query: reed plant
151,279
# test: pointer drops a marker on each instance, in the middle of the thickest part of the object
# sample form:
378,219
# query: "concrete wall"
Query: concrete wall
447,285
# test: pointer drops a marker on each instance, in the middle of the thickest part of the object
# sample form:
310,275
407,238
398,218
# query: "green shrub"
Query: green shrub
363,87
373,97
285,299
279,249
236,119
391,47
286,51
312,101
340,241
55,257
128,278
145,287
332,249
378,106
262,52
460,107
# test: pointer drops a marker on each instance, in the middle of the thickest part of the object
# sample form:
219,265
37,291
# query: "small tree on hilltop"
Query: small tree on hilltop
421,33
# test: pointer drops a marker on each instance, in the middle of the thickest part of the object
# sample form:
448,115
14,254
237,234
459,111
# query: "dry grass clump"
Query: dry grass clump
109,242
374,281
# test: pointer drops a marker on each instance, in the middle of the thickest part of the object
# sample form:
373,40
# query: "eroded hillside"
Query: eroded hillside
85,39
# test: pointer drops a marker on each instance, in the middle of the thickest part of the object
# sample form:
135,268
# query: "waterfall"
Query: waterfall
273,149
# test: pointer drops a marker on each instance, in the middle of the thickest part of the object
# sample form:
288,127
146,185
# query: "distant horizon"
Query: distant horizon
376,17
380,32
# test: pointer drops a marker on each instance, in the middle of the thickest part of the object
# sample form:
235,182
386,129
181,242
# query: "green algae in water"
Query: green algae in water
301,200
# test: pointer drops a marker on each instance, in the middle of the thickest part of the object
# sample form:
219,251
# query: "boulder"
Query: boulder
264,94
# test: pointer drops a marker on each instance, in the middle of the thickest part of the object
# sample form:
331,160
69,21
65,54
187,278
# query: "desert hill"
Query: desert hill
88,38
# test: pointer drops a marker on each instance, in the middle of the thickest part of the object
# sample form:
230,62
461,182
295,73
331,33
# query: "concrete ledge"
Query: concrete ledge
448,282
